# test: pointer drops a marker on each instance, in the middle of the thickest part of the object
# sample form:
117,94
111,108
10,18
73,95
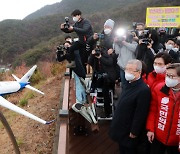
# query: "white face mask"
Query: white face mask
129,76
107,31
158,69
70,40
169,46
171,82
75,19
175,49
140,32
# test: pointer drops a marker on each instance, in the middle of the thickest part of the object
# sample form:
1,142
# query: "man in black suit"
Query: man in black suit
128,124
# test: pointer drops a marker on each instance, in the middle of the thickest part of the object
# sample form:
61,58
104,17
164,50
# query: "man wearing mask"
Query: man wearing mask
104,75
125,48
106,37
139,29
161,61
163,123
162,35
129,120
83,29
172,49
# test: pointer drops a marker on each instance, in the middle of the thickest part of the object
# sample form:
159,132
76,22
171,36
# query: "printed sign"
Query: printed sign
163,16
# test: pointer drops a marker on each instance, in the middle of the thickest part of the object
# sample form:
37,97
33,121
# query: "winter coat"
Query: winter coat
104,65
164,115
130,114
153,79
83,29
106,42
126,52
146,55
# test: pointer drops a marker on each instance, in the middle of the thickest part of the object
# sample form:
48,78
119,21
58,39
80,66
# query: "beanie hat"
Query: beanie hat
109,23
162,29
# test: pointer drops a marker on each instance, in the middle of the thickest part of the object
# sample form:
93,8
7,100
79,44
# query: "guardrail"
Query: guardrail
64,117
68,98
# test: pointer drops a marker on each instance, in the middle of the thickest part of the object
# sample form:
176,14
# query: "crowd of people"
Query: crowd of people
147,64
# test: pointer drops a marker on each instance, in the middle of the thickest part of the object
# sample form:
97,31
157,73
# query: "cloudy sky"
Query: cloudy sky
18,9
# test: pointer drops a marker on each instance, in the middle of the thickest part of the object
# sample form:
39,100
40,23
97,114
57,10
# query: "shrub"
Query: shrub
36,77
23,102
58,68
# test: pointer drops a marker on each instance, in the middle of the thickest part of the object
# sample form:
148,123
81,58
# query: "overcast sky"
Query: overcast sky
18,9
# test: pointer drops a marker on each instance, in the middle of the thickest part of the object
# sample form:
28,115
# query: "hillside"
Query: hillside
36,37
87,7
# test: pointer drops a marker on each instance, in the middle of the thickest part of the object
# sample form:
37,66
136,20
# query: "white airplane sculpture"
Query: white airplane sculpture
8,87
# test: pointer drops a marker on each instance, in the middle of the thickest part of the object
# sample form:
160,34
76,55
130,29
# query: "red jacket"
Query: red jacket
154,78
164,115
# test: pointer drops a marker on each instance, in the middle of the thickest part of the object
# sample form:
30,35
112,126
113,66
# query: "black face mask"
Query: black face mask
162,33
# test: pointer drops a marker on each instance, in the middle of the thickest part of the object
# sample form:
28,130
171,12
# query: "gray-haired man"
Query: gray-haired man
128,124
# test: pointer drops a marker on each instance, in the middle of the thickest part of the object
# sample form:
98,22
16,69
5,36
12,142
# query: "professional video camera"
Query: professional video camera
145,37
97,51
61,51
99,44
100,36
66,24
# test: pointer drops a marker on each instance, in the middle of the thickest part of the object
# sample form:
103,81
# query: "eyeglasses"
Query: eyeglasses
171,76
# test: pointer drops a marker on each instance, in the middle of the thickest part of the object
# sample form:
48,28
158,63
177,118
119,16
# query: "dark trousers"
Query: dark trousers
122,77
142,147
79,69
159,148
76,46
125,150
106,85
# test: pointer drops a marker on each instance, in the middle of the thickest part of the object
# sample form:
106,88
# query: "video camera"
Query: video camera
61,50
145,37
99,44
124,35
66,24
97,51
100,36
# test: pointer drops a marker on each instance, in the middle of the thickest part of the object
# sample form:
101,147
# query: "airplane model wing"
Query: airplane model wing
7,104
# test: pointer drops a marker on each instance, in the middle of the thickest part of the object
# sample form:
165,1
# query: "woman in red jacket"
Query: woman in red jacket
161,60
163,122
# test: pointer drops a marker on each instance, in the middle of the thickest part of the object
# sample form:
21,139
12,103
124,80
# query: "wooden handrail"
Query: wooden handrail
64,117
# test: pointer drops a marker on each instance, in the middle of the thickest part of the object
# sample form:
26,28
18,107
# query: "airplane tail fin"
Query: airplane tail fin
26,78
28,75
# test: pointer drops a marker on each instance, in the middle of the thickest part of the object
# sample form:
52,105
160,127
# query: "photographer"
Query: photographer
145,52
83,29
172,48
62,52
125,46
106,37
139,29
156,45
104,74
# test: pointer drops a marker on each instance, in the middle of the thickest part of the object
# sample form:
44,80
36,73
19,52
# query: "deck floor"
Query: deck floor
94,143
